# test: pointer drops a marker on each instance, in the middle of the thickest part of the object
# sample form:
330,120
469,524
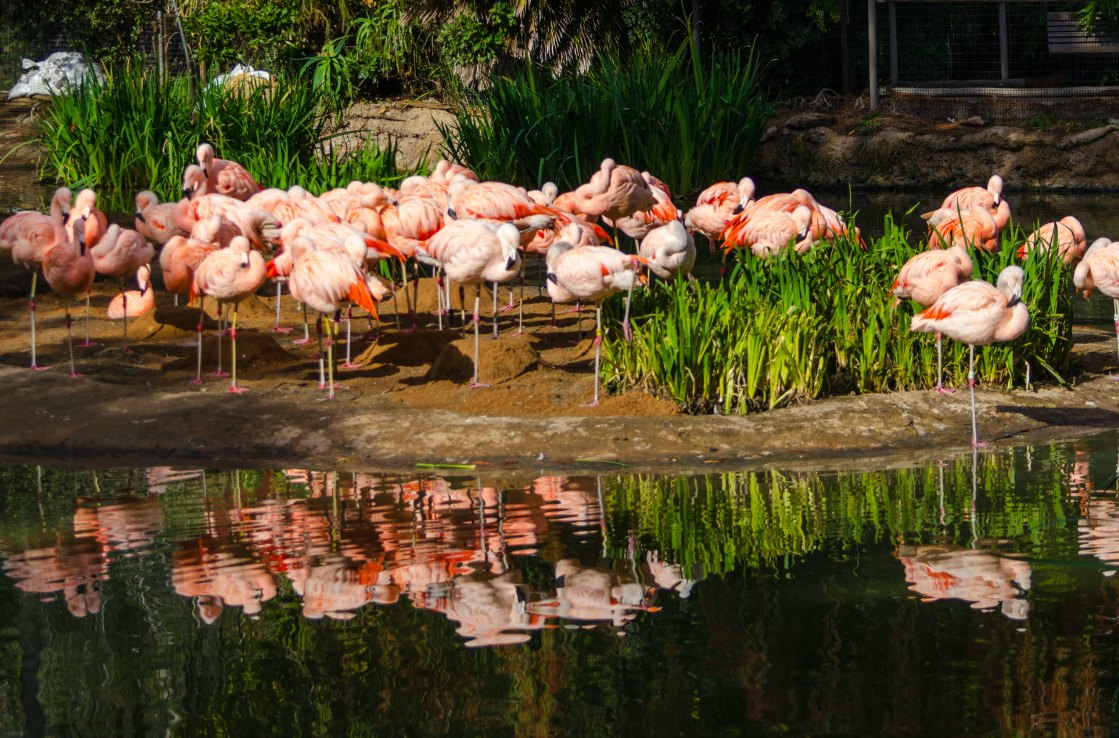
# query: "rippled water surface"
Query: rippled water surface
969,598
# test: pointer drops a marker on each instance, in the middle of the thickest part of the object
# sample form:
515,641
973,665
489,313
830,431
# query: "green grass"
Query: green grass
792,327
138,131
688,123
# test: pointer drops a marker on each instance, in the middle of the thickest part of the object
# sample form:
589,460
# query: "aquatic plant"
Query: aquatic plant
795,327
688,122
137,131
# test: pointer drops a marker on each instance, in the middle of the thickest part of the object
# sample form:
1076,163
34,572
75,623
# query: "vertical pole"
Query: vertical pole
892,17
159,43
844,52
1004,45
872,44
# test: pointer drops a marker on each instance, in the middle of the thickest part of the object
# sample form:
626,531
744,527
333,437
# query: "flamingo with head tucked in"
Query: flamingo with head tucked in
1099,269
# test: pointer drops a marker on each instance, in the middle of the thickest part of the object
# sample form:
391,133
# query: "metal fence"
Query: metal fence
158,44
1002,61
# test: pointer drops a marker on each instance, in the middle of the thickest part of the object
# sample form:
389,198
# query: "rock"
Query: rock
58,73
802,121
1089,136
974,120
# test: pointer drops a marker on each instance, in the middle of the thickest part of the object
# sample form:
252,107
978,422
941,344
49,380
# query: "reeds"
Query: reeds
138,131
792,327
689,123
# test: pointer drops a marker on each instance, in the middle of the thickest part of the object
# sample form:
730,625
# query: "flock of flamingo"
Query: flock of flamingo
213,244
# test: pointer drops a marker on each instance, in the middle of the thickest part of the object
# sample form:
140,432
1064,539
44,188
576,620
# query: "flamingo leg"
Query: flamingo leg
277,328
221,329
322,357
396,307
940,388
625,318
87,343
439,297
233,341
349,333
330,358
477,319
597,352
70,342
975,443
1115,303
31,306
411,302
462,304
198,377
306,331
495,309
521,303
124,301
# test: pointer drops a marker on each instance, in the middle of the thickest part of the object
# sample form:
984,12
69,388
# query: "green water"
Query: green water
920,601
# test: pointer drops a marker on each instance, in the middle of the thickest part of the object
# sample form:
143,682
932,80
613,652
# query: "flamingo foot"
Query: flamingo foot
575,309
519,332
506,308
942,390
218,373
75,375
127,350
280,329
87,343
238,390
196,381
329,397
478,385
37,368
301,341
592,403
348,365
978,444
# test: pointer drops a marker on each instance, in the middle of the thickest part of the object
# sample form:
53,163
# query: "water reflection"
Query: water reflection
753,600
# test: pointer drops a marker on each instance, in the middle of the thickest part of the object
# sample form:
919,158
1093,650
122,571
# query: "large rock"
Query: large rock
57,74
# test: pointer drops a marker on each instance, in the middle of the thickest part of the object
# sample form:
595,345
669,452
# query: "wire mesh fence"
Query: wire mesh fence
1003,61
157,41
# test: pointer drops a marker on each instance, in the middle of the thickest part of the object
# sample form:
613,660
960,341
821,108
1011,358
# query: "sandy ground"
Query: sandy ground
408,401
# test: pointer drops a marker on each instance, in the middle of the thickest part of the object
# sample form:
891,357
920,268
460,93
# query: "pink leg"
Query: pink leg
233,340
306,332
198,377
277,328
87,343
940,388
124,301
221,332
597,353
475,384
34,356
70,343
349,336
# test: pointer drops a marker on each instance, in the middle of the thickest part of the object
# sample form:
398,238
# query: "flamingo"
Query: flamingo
119,254
1066,234
134,303
28,236
977,313
670,250
974,227
1100,270
615,191
179,260
321,279
255,223
590,274
638,224
225,177
927,276
767,232
477,252
155,221
231,275
987,198
716,205
68,269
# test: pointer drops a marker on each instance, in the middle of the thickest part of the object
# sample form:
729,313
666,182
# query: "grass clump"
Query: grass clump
138,131
689,123
792,328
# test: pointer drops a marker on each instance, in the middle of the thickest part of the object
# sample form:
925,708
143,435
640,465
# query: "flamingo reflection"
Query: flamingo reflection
593,595
986,580
490,610
220,575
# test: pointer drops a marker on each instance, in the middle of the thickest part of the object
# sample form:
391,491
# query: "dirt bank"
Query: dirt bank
409,402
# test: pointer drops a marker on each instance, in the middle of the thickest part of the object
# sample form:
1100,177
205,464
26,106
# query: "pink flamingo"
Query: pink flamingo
321,279
670,250
978,314
975,227
1100,270
231,275
68,269
225,177
615,191
28,236
638,224
590,274
477,252
291,204
257,224
1066,234
119,254
155,221
927,276
716,205
987,198
134,303
767,232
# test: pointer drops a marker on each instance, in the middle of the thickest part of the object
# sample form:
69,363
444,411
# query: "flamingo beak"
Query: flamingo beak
1022,252
1014,301
510,263
140,216
554,280
738,209
245,261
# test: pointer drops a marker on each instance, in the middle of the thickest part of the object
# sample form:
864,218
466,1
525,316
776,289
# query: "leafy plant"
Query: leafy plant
469,39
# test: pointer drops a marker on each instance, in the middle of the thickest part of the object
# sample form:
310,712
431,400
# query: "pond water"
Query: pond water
975,597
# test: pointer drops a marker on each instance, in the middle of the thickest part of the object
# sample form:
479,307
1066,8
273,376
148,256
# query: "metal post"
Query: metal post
872,44
1004,45
845,62
159,44
892,16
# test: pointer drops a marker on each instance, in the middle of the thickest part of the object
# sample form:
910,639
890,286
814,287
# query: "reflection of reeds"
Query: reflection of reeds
769,518
137,132
794,327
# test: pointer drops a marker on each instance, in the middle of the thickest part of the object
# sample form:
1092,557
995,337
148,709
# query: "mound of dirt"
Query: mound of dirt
499,360
407,349
255,352
171,323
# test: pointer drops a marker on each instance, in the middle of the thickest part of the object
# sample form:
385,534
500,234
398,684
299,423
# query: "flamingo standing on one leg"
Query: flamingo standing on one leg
231,275
1100,270
120,253
477,252
1066,235
927,276
134,303
978,314
670,250
68,269
590,274
28,236
225,177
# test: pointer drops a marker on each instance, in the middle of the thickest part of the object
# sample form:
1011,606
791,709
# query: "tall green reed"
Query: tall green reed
138,131
796,327
690,123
